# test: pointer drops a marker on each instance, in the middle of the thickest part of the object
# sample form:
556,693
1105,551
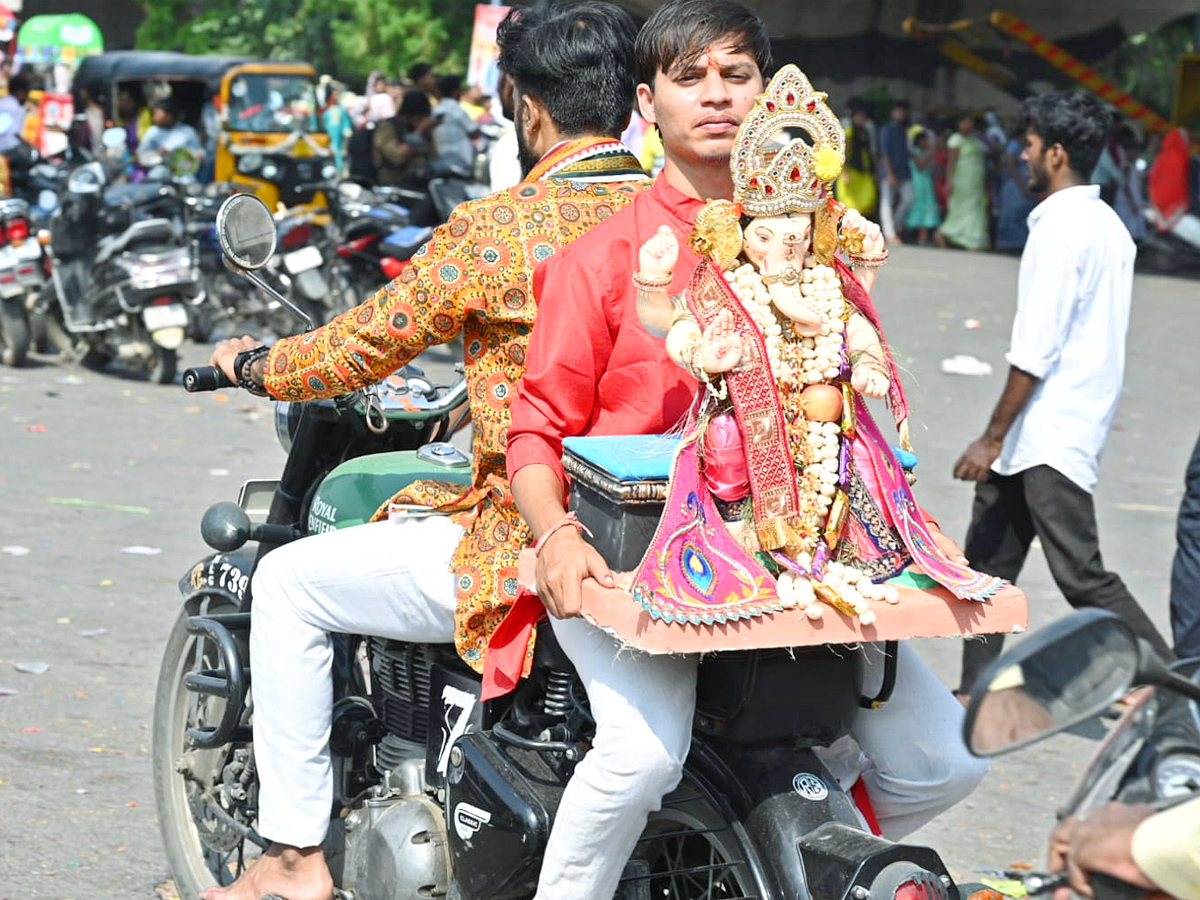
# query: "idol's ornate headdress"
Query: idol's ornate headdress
771,178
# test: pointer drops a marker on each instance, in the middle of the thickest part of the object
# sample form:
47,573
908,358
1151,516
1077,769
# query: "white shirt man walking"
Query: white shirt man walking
1038,460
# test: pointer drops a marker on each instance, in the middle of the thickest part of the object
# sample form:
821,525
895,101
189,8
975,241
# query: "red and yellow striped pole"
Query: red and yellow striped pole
1079,71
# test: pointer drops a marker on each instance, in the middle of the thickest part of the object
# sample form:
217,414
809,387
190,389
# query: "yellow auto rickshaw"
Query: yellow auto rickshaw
258,119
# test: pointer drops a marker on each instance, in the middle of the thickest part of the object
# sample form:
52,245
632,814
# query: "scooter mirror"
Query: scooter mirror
1064,674
112,138
246,231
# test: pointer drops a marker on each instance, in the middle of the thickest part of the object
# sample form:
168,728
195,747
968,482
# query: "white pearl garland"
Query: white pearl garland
808,360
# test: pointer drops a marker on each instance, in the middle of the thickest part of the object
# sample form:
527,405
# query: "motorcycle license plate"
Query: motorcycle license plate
30,250
173,315
302,260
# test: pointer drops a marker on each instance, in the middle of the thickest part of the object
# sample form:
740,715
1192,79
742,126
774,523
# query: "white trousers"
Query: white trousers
893,207
385,579
914,763
393,579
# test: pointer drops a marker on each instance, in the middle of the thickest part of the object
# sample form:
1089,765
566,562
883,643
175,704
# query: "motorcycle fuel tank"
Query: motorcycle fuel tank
351,493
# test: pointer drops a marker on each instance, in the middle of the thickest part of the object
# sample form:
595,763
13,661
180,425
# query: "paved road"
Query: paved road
93,466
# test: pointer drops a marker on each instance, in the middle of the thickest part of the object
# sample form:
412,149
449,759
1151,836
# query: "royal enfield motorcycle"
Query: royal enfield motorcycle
437,794
1068,675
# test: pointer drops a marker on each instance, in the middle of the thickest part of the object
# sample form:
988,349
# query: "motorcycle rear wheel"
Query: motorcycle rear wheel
205,851
14,332
691,851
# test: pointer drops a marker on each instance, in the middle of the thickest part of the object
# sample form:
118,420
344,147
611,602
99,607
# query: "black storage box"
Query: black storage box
618,485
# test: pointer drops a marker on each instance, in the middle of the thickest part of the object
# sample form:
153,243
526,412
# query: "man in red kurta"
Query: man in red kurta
593,370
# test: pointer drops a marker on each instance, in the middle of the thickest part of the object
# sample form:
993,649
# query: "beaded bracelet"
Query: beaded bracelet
868,262
241,366
651,282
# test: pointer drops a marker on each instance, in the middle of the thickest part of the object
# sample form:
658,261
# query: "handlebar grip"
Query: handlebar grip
205,378
1108,887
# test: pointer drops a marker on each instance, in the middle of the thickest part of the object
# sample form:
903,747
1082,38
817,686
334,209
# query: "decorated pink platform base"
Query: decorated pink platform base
920,613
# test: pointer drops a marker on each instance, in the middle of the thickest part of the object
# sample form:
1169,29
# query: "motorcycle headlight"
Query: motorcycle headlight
287,418
250,163
328,171
270,171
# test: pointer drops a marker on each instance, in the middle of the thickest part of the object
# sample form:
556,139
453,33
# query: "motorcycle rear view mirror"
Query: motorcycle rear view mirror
246,231
1055,679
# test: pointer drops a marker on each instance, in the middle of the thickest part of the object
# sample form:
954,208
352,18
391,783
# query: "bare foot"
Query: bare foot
291,872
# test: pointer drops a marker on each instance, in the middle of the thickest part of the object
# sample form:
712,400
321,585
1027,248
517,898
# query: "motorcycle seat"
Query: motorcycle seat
132,194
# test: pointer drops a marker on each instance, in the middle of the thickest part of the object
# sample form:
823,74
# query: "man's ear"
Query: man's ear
531,117
645,99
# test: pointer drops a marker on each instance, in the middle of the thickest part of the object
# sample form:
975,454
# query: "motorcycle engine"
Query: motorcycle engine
396,844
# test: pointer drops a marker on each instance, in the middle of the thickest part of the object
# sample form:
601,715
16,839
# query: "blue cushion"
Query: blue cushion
626,457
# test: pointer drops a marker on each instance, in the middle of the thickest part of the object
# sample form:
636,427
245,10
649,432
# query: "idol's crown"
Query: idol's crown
775,170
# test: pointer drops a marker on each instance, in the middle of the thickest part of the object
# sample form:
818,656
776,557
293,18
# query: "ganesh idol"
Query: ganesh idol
784,492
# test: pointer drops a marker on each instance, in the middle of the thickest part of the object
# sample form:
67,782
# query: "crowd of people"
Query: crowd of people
392,132
960,180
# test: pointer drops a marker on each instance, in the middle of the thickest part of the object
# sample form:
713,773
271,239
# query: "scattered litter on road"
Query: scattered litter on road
7,691
65,620
131,804
218,473
106,582
31,729
34,428
191,410
81,790
14,550
32,668
141,550
92,632
221,398
92,504
70,379
965,364
972,324
80,465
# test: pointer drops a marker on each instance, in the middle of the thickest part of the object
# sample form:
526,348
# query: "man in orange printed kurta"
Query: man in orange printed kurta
446,577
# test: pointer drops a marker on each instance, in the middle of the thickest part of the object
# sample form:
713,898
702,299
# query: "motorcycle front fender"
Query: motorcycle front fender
223,574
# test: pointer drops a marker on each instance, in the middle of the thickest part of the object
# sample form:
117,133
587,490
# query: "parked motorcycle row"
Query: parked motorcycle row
438,794
100,268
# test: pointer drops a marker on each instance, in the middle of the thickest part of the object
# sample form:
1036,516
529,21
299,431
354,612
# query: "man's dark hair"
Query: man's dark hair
415,103
902,104
449,85
680,30
419,71
576,59
20,84
1076,120
167,104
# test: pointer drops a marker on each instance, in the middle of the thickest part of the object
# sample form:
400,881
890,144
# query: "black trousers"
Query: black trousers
1185,571
1009,510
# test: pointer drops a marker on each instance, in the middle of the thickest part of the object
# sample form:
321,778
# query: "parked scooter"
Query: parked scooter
121,271
1069,673
21,278
440,795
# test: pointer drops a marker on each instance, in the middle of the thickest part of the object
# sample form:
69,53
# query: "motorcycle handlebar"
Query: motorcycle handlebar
205,378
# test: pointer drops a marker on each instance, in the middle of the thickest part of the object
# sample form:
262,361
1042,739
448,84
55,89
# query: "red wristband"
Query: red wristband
569,519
